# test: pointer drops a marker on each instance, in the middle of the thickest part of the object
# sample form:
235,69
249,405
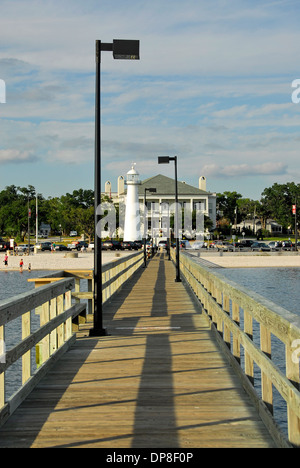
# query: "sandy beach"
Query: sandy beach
252,259
60,261
56,261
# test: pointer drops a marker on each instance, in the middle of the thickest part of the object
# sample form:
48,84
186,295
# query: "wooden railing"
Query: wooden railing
246,324
114,275
54,336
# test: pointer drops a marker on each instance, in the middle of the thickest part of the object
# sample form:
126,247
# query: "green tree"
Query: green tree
14,203
277,201
227,203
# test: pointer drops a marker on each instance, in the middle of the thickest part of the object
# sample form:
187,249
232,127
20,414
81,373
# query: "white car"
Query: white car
198,245
24,248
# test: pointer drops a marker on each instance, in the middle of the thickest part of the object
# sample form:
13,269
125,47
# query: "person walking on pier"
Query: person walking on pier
21,265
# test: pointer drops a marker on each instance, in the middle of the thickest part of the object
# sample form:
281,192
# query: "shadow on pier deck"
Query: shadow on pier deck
158,380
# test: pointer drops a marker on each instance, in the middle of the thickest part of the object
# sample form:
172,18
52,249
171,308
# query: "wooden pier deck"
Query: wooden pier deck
158,380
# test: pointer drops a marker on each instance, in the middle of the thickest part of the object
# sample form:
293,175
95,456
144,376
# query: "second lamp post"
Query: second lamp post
166,160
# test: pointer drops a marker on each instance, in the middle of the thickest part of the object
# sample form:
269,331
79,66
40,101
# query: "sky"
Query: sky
216,85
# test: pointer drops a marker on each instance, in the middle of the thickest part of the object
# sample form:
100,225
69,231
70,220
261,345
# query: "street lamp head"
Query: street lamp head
163,159
126,49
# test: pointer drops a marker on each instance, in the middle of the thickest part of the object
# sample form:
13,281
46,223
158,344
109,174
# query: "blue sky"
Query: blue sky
213,86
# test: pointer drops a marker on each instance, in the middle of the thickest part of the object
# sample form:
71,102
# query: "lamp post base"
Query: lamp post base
178,280
98,332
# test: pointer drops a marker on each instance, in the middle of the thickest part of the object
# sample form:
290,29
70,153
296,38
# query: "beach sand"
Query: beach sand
59,260
253,259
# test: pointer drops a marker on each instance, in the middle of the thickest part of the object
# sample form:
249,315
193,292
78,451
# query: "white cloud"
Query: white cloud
13,156
233,170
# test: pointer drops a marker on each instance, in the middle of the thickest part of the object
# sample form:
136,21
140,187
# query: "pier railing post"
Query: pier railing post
26,361
248,329
292,373
266,383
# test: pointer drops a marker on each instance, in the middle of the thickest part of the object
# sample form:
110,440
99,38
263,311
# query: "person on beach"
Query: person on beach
21,265
6,260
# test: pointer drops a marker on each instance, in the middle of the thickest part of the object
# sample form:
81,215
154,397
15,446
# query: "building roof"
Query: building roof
165,186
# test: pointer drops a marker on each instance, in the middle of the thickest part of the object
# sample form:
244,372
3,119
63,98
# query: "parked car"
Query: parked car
184,244
112,245
216,244
139,243
274,245
223,245
129,245
5,245
43,246
286,245
61,247
81,244
24,248
163,244
260,246
244,244
198,245
226,247
20,248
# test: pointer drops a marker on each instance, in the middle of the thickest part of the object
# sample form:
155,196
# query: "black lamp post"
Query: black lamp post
126,50
153,190
166,160
29,216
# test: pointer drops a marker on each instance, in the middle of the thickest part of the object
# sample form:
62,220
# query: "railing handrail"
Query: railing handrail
263,310
114,274
34,338
114,263
14,307
222,302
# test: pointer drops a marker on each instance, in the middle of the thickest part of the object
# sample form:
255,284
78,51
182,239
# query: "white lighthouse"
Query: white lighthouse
132,227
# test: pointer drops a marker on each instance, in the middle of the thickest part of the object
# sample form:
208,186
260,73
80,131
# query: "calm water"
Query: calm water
280,285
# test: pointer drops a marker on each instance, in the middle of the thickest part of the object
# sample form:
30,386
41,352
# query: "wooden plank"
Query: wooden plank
157,380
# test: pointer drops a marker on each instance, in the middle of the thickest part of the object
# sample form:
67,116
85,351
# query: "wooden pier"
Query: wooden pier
157,380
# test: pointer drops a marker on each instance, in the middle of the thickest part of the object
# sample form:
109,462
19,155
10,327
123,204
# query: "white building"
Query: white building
255,225
161,204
